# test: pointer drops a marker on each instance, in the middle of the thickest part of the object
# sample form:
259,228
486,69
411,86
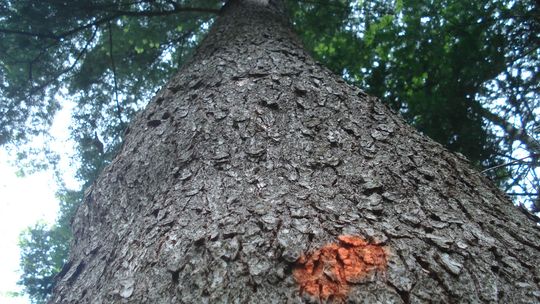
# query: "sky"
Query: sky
26,200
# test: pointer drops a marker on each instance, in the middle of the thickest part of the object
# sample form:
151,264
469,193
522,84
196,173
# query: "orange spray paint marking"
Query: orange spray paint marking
327,272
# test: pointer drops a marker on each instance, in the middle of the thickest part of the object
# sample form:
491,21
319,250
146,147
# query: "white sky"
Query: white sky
25,201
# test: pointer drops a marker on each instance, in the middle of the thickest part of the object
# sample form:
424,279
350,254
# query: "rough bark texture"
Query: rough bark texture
253,156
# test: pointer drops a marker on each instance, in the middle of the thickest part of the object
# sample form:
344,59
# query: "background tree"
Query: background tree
110,58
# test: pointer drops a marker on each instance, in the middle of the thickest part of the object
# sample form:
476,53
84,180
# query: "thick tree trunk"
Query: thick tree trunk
256,175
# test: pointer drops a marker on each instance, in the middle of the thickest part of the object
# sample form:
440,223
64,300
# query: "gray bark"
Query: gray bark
254,155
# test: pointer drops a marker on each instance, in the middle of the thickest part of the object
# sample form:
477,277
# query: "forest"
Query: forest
463,73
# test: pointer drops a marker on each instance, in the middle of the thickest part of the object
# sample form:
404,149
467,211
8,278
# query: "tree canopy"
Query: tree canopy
463,73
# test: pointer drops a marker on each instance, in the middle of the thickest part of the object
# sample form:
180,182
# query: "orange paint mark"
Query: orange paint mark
327,272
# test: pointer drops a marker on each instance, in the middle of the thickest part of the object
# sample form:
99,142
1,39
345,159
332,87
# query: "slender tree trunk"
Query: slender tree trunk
257,176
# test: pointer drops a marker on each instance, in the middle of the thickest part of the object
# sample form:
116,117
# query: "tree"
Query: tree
115,43
253,157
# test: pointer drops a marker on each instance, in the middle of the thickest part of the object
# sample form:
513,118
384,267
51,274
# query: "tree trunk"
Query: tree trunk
257,176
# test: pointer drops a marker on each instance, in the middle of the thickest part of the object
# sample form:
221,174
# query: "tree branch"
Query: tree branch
515,133
115,14
165,13
521,193
113,65
511,163
30,34
326,3
81,53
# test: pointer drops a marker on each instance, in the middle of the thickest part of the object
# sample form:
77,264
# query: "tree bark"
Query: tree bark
255,160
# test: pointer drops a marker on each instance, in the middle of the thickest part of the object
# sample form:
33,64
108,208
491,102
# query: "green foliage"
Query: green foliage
43,253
